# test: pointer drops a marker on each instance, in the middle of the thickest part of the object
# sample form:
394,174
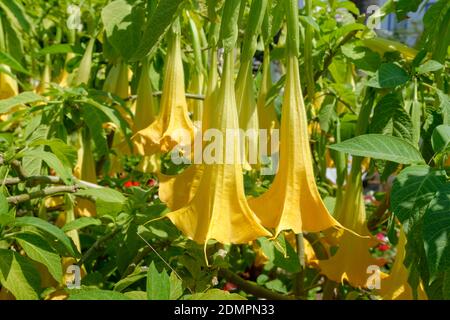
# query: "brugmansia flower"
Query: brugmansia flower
84,70
197,77
382,46
85,170
116,81
245,95
293,200
352,260
145,111
189,179
267,115
172,125
219,210
396,286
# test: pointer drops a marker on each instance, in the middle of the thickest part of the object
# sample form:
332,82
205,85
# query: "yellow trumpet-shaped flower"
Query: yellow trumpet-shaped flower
85,170
172,125
267,115
293,200
84,71
352,260
65,77
145,111
382,46
396,286
189,179
219,209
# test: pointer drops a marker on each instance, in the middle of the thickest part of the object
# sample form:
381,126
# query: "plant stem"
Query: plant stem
251,287
41,193
97,245
299,276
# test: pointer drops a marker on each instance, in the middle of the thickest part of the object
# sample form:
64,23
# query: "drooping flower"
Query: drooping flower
293,200
267,115
219,210
85,170
145,112
172,126
352,259
245,95
396,286
84,70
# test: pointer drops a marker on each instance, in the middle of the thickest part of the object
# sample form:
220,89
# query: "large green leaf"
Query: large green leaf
38,249
436,231
440,138
17,14
158,284
444,106
48,228
22,98
403,7
94,119
389,75
412,191
157,26
5,58
382,147
123,20
18,275
5,216
65,153
107,201
81,223
389,117
52,162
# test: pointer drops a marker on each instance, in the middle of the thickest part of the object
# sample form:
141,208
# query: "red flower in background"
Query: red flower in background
151,182
229,286
383,247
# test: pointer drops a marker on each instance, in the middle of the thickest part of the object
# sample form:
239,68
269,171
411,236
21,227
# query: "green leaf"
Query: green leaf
94,119
389,75
412,191
5,213
56,49
128,281
158,284
96,294
48,228
107,201
229,26
327,113
18,275
156,27
436,231
279,256
440,139
38,249
176,287
52,162
136,295
81,223
66,154
214,294
382,147
310,21
5,58
22,98
16,13
429,66
389,117
362,57
402,7
123,20
444,106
